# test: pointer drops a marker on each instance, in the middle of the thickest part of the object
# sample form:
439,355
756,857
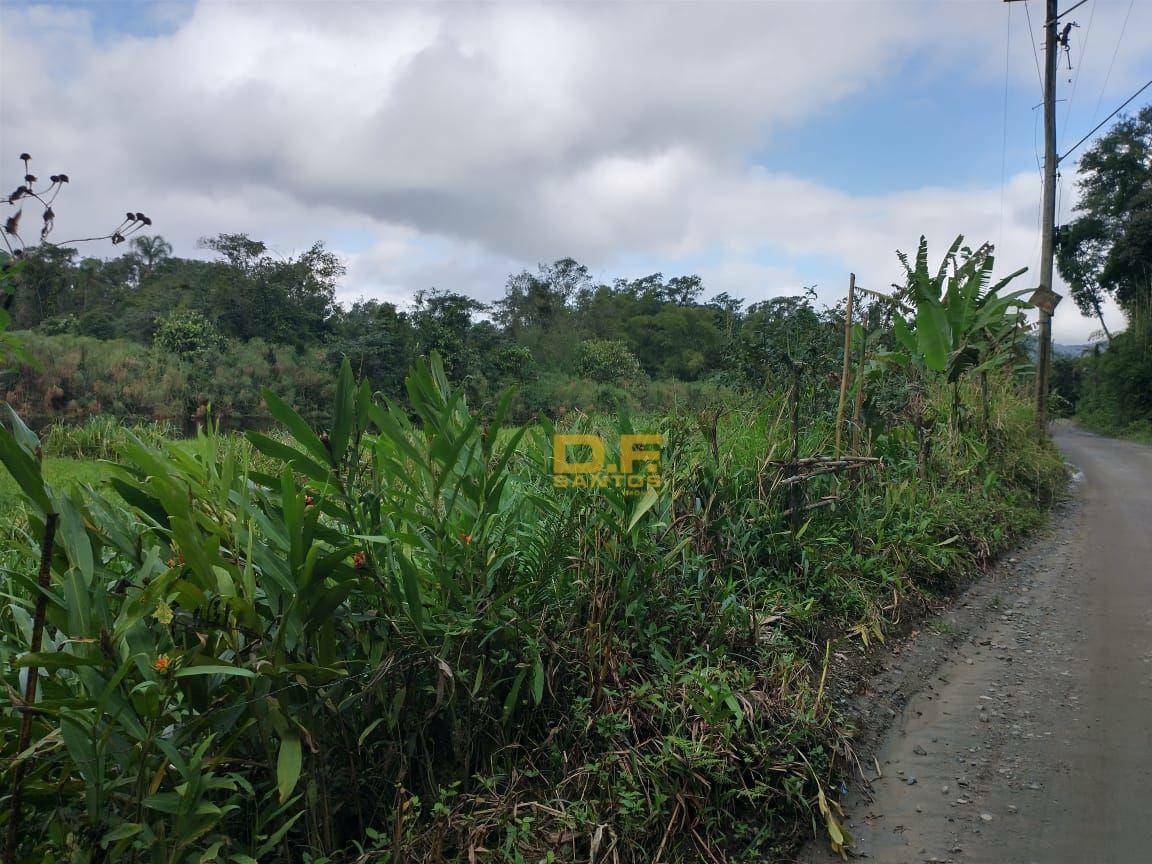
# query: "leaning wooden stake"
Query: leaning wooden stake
847,360
17,801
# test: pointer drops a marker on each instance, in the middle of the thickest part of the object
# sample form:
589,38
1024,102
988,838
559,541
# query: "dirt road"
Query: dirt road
1032,741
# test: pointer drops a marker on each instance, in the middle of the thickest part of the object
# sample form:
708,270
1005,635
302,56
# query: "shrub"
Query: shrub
609,361
187,333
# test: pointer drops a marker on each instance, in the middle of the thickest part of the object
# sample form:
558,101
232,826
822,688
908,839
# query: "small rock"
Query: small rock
986,817
919,751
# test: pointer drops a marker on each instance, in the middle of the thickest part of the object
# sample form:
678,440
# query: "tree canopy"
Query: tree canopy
1106,251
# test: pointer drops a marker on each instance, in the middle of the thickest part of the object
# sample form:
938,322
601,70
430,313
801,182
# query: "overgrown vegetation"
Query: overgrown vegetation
389,637
1106,253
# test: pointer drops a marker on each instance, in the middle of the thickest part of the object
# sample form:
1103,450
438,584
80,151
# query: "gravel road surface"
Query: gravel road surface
1028,738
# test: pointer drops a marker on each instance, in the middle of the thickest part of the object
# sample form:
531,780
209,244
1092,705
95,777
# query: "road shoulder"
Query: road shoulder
944,719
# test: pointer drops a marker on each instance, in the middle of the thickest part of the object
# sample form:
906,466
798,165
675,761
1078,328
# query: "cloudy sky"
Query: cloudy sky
763,145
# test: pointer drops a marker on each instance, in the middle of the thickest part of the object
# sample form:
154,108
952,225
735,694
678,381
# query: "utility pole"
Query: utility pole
1044,298
1048,219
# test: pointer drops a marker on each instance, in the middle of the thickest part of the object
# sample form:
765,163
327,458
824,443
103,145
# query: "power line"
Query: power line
1105,120
1070,9
1079,67
1071,100
1035,50
1116,50
1004,144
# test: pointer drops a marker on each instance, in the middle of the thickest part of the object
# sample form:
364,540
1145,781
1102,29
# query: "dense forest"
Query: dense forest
148,335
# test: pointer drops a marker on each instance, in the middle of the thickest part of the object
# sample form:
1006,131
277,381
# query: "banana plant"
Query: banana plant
955,321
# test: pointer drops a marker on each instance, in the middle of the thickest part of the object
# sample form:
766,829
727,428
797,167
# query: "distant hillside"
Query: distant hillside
1070,350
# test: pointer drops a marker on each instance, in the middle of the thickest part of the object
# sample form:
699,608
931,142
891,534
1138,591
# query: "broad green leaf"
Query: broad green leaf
933,334
288,765
295,424
76,732
121,832
411,584
513,697
921,273
213,669
164,802
25,470
24,436
74,536
55,660
343,411
538,680
328,603
904,334
642,506
289,455
272,840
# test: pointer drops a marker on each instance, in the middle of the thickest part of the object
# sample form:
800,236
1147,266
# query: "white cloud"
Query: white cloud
470,140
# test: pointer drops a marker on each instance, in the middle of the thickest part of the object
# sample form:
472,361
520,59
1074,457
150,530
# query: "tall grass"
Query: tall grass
394,640
70,379
102,437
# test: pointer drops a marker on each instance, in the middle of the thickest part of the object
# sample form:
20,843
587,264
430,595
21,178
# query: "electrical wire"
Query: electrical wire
1115,51
1004,143
1035,50
1121,107
1076,77
1068,110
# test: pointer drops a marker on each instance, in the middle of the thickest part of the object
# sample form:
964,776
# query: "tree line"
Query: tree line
555,328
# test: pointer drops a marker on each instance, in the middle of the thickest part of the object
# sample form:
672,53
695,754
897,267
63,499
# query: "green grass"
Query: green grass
57,470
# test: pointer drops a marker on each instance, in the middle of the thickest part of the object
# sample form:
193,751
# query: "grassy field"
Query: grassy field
59,471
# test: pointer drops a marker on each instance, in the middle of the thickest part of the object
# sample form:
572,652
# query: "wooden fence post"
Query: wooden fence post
858,408
847,360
